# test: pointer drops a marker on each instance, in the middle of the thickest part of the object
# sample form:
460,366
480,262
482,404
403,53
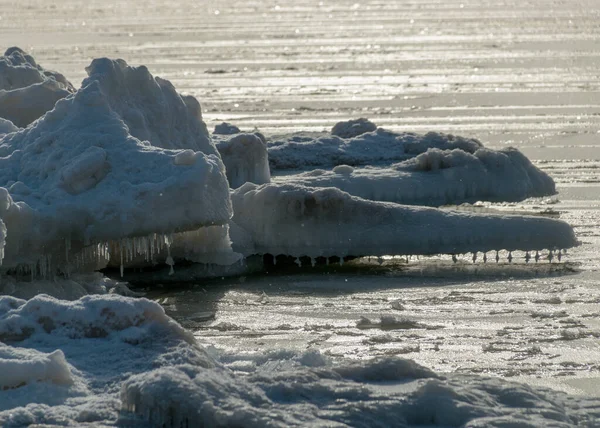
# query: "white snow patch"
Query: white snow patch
353,128
17,372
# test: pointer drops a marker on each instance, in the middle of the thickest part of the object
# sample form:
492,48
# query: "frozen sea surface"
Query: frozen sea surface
507,73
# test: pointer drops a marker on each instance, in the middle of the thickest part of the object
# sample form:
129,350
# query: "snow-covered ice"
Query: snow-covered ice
76,177
245,158
301,221
122,361
27,90
438,177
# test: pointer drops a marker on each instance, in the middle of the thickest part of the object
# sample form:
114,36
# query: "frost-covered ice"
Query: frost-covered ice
438,177
122,361
245,158
301,221
301,151
77,177
27,90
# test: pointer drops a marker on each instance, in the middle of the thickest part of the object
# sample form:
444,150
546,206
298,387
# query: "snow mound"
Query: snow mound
27,91
298,151
439,177
353,128
76,178
245,158
225,128
150,106
282,392
19,370
89,317
300,221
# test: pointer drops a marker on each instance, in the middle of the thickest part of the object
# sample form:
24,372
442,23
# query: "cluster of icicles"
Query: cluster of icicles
125,250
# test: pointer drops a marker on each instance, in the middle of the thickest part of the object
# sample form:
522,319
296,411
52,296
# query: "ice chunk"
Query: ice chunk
377,147
27,91
440,177
17,372
301,221
225,128
85,181
353,128
150,106
245,158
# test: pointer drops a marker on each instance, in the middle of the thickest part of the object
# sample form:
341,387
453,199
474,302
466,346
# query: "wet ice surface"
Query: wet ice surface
522,74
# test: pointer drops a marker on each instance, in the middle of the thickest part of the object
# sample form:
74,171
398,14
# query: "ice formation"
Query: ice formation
300,151
353,128
150,106
439,177
124,362
300,221
245,158
226,128
76,178
27,91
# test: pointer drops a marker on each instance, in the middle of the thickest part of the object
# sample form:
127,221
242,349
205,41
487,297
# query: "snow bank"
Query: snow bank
439,177
245,158
300,221
150,106
76,178
27,91
298,151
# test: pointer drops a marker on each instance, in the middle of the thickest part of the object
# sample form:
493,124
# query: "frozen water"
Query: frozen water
27,90
77,177
438,177
245,158
299,151
302,221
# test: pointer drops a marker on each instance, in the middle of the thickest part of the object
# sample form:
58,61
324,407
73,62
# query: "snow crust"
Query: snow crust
301,221
298,151
245,158
76,177
27,90
439,177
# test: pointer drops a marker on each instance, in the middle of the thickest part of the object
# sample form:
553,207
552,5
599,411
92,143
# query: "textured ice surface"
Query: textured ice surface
150,106
301,221
299,151
245,158
438,177
27,90
123,362
77,177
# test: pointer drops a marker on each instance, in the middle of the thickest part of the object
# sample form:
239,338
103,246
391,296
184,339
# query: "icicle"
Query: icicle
497,257
474,256
527,257
484,257
550,256
559,255
170,260
313,261
327,261
298,262
510,257
342,261
454,258
537,256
